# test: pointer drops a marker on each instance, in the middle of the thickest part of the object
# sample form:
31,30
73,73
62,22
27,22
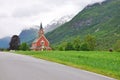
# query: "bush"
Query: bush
91,42
69,46
117,46
77,44
84,47
24,47
62,46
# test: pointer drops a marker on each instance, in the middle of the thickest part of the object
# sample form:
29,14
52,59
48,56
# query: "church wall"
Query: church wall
45,42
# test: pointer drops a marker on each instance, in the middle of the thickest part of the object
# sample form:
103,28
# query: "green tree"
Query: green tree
117,46
62,46
14,43
84,47
91,42
69,46
77,43
24,47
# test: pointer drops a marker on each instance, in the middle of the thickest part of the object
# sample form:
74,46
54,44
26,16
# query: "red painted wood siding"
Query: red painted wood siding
46,43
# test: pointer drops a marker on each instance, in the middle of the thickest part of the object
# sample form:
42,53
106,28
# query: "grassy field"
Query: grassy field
106,63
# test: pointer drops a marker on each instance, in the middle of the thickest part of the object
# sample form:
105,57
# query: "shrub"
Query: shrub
24,47
90,42
84,47
117,46
69,46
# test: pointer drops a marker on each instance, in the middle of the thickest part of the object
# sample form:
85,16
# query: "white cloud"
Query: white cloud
16,15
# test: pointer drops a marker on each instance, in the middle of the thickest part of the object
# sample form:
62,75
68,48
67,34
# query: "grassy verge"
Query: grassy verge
106,63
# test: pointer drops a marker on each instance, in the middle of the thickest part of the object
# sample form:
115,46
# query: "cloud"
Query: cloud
9,26
2,16
56,2
16,15
40,7
33,10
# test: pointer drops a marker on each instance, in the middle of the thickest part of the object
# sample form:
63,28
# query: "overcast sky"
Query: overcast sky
16,15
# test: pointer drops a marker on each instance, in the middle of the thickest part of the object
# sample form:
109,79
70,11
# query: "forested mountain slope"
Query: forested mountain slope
101,20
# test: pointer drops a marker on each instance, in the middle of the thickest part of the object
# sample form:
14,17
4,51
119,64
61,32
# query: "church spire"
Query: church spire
41,31
41,26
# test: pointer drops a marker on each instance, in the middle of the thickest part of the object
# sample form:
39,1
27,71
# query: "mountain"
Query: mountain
57,22
28,35
4,42
101,20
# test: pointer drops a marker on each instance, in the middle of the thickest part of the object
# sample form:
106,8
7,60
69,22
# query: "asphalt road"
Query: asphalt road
21,67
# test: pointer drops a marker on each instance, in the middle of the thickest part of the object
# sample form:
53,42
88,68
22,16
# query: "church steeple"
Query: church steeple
41,43
41,26
41,31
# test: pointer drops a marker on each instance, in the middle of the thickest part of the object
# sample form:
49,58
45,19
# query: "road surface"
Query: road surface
21,67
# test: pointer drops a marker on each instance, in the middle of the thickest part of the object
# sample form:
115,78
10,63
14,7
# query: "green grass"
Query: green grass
106,63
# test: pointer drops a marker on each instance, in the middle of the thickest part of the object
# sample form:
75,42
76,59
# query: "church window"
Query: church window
42,43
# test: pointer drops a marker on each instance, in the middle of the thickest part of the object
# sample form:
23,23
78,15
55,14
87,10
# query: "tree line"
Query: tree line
89,43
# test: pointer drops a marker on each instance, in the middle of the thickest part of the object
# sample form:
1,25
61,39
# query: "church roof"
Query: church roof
36,40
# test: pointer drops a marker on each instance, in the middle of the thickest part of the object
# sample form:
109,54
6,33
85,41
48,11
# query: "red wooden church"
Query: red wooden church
41,43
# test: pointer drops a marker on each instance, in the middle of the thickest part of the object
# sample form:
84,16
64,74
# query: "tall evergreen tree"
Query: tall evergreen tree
14,43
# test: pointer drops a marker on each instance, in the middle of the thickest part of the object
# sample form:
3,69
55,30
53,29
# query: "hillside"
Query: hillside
101,20
4,42
57,22
28,35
